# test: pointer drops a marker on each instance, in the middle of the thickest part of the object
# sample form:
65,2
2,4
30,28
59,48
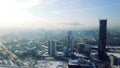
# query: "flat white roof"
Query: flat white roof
115,54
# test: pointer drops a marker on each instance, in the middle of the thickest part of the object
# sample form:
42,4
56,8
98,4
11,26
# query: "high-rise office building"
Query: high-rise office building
52,48
70,41
102,40
49,47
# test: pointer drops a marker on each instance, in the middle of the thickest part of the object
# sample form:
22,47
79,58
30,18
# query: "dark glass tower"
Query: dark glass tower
102,41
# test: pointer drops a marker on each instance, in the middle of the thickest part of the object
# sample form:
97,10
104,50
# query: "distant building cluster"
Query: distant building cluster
69,49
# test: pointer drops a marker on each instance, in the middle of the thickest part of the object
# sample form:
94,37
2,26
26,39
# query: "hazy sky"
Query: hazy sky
27,14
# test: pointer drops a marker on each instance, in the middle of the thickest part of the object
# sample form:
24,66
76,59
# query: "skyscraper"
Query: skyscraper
52,48
49,47
102,41
70,41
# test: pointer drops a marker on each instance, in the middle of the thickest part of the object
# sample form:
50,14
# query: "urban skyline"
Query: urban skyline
59,33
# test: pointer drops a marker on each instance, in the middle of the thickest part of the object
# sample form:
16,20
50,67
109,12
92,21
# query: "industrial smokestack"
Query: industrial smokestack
102,41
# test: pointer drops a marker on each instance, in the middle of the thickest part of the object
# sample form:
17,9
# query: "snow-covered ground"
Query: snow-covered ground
50,64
